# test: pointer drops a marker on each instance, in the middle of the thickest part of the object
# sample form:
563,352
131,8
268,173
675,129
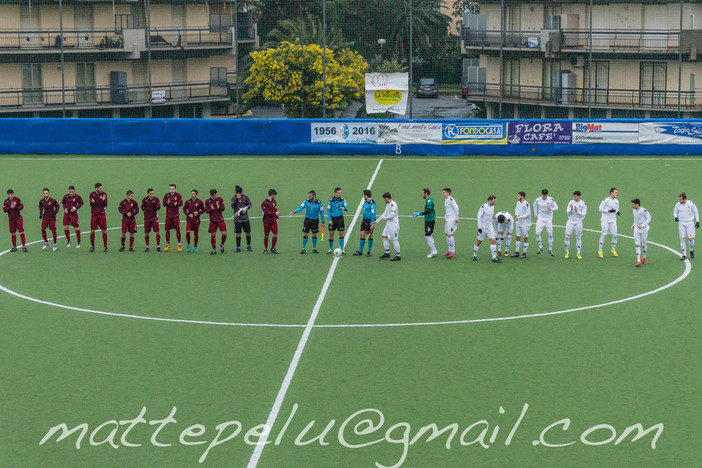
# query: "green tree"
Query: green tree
291,76
308,30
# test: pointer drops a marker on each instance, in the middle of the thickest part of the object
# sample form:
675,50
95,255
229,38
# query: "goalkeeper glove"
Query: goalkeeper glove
480,231
619,213
676,219
697,225
40,216
415,214
613,210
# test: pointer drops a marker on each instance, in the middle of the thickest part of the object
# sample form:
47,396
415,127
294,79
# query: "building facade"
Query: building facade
121,58
582,59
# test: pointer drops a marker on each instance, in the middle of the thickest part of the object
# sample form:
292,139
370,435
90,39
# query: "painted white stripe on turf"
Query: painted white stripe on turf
273,415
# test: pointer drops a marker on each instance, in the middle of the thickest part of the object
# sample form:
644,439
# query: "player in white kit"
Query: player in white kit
486,228
688,219
544,206
576,211
392,227
522,218
504,225
450,221
609,207
642,219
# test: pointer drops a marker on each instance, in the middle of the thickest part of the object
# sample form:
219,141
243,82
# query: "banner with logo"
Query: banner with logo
605,132
344,132
670,133
387,92
474,134
409,133
548,133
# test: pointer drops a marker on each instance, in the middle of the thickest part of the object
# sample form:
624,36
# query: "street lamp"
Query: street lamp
381,42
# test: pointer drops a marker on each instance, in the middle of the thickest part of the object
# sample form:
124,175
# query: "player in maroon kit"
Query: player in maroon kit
129,208
270,220
172,201
193,208
71,204
150,205
98,219
48,207
13,207
214,206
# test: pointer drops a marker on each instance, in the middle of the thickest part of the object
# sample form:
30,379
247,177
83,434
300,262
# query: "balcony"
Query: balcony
627,41
91,97
49,41
582,97
197,38
527,40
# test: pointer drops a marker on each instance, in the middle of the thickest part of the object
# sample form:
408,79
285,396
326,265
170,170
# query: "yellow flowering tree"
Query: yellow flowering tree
291,76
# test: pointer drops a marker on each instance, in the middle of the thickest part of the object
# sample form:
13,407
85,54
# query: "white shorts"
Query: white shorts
574,227
540,225
391,232
609,227
488,231
686,230
450,226
640,238
505,228
522,229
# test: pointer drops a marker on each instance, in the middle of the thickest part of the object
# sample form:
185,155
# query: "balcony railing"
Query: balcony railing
576,40
199,37
546,95
47,39
112,96
512,39
622,41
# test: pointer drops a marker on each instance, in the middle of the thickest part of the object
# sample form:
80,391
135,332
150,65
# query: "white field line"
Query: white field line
273,415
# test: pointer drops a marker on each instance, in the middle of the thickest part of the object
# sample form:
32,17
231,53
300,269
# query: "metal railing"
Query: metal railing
44,39
577,40
634,98
197,37
112,96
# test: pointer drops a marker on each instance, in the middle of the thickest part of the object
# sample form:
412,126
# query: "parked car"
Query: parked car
428,87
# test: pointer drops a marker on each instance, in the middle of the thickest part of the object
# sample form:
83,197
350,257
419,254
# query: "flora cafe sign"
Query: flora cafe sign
387,92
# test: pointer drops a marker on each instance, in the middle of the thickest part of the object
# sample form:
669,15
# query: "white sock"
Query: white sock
602,239
643,251
475,250
682,246
567,244
452,244
386,244
538,240
508,243
638,253
493,249
692,244
526,246
430,241
499,244
614,242
550,241
578,244
517,246
396,244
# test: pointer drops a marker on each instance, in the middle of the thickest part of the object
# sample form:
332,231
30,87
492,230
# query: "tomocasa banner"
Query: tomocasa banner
387,92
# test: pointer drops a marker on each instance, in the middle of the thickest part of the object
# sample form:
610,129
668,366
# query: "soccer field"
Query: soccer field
179,359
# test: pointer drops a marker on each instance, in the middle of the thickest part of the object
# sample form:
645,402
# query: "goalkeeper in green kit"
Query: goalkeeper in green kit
429,214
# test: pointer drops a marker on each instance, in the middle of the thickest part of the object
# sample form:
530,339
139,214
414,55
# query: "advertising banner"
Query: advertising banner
474,134
605,132
343,132
407,133
670,133
387,92
529,133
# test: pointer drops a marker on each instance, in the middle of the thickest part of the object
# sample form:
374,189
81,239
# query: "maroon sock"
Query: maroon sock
224,238
43,234
265,242
22,239
273,242
178,235
92,239
187,237
213,241
104,239
122,241
54,233
146,239
158,239
78,235
14,240
168,237
68,235
131,242
195,239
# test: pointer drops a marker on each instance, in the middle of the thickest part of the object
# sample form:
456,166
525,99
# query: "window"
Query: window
220,22
510,78
85,83
653,83
218,76
600,82
551,78
123,22
31,84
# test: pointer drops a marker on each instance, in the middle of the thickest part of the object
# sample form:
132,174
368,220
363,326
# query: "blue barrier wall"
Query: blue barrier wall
289,137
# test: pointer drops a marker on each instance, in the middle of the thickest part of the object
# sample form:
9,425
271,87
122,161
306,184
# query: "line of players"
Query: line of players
498,228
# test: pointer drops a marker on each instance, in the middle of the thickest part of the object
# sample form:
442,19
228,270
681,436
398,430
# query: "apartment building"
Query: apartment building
121,58
581,59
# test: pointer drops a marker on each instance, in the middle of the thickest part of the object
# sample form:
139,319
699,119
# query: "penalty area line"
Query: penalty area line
278,403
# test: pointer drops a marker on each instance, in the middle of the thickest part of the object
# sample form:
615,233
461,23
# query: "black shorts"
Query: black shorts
365,225
428,228
239,225
311,225
337,224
